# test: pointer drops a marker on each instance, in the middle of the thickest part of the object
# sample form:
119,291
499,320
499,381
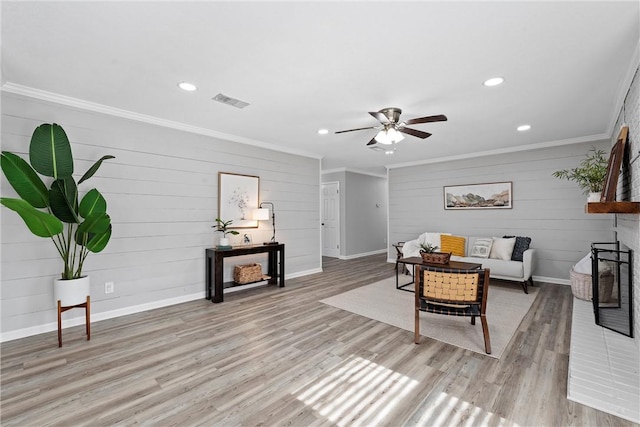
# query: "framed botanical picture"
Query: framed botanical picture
238,198
493,195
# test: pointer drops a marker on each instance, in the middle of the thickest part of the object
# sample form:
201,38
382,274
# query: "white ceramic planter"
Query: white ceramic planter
71,292
594,197
224,241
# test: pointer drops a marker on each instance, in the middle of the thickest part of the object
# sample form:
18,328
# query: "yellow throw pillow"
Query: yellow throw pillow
453,244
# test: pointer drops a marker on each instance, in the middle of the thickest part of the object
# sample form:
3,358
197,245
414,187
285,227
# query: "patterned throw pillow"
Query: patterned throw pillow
481,247
522,244
453,244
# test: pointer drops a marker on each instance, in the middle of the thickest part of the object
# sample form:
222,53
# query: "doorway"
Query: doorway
331,219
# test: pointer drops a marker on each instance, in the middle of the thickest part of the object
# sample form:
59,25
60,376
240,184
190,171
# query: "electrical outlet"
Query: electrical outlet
108,287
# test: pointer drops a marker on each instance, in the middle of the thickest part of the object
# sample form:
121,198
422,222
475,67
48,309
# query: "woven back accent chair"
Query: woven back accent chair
452,292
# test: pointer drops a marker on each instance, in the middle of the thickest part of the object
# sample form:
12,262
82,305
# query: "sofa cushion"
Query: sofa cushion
502,248
522,244
481,247
498,267
453,244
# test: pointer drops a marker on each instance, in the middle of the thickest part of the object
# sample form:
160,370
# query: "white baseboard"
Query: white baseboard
379,251
97,317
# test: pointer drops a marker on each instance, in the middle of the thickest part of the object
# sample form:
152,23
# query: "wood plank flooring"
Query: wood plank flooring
276,356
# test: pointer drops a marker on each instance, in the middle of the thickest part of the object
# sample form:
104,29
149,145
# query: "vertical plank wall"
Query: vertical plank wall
161,192
549,210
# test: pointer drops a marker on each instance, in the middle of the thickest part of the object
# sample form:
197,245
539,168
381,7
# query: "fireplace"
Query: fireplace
612,281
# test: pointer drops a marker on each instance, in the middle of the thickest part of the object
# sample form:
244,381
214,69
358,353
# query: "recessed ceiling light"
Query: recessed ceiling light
495,81
189,87
323,131
523,128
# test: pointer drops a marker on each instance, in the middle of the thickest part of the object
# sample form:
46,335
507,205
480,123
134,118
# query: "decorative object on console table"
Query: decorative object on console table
262,214
237,198
493,195
222,227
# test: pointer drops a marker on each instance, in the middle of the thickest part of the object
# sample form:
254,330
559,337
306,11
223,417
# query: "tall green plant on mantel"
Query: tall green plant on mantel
590,174
74,228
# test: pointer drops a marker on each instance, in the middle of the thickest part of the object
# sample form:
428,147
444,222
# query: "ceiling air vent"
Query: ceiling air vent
230,101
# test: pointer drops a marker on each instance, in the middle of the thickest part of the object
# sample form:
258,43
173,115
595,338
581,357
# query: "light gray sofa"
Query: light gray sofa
517,271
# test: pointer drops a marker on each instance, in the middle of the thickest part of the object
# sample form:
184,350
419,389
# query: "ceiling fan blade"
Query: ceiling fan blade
428,119
373,141
415,132
380,117
351,130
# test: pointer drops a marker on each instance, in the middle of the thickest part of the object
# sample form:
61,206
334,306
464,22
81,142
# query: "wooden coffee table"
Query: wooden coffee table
416,260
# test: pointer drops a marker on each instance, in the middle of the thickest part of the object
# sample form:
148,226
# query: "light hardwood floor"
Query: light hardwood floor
276,356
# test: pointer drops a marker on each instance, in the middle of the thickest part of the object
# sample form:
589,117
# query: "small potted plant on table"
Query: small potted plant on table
223,227
429,254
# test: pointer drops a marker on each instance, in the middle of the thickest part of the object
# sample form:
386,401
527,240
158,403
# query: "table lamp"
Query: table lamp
262,214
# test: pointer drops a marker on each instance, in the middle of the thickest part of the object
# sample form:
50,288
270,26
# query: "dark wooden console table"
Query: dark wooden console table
275,266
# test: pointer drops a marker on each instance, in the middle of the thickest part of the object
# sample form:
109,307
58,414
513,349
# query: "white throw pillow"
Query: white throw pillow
584,265
432,239
481,247
502,248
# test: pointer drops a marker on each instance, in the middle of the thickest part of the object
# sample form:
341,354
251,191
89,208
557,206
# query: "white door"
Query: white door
331,219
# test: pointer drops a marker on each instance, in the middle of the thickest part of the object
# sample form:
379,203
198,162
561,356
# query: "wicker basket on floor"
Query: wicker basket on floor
581,285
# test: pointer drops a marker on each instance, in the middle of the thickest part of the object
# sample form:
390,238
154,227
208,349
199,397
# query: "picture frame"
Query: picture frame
610,184
238,198
491,195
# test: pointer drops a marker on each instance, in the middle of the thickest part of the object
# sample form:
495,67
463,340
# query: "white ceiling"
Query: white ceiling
309,65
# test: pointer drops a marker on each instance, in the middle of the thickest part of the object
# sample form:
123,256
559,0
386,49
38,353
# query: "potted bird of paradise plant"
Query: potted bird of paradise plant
76,226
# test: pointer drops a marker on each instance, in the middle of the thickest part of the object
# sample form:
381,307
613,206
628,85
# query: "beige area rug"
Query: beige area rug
506,307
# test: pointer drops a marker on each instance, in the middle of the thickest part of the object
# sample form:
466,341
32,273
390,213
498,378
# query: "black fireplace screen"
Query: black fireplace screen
612,281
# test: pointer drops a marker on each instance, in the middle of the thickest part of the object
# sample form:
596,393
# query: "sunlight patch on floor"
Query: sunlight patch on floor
449,410
359,392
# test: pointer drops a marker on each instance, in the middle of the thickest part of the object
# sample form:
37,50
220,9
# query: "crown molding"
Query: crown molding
530,147
361,172
81,104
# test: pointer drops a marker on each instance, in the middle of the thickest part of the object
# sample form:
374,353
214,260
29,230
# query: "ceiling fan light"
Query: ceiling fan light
395,135
383,137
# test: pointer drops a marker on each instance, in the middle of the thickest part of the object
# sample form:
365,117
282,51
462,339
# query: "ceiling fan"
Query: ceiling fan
391,128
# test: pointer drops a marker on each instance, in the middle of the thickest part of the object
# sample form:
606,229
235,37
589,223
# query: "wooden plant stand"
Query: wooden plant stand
87,308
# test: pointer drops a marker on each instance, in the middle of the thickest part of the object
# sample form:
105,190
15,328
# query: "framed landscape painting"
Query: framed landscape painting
238,198
493,195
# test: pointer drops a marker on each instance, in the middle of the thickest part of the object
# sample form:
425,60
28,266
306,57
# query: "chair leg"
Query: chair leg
524,287
88,317
485,331
416,336
59,323
473,320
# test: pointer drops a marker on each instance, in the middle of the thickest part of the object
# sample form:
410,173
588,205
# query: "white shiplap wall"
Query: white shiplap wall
549,210
162,195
